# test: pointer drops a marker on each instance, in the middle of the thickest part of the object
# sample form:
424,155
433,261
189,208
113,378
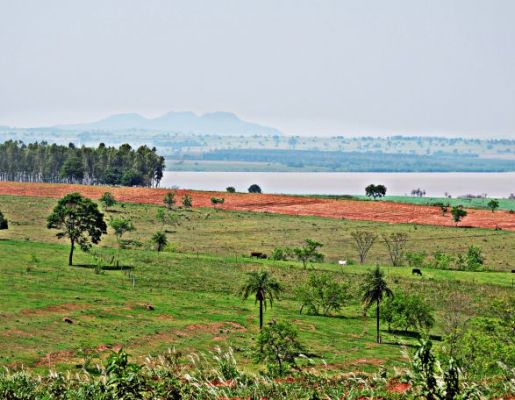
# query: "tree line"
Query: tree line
53,163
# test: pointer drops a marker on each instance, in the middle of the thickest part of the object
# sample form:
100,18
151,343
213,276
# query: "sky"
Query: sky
436,67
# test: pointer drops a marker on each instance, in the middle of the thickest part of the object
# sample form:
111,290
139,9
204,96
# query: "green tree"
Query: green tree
278,346
264,287
108,199
187,201
375,191
169,200
458,213
121,226
363,241
321,294
254,188
160,240
230,189
4,224
215,201
407,311
309,253
374,289
79,219
493,204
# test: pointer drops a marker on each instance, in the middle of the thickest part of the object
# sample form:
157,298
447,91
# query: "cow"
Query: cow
342,262
513,271
416,271
259,255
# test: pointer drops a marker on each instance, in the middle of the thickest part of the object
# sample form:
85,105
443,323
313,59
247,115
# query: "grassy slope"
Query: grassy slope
228,233
194,294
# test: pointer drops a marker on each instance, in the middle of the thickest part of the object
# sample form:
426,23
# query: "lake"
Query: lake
435,184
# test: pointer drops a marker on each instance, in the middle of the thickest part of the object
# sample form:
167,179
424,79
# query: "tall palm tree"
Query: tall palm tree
374,290
265,287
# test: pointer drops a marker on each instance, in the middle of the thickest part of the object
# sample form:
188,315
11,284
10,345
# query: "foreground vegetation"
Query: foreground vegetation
125,294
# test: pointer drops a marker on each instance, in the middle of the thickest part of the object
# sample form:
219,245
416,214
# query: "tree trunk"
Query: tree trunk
70,256
378,338
260,314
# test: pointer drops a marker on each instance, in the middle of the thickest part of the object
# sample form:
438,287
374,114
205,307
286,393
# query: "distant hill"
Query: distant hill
217,123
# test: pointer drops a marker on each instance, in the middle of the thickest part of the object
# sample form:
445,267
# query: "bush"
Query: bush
416,259
278,346
108,199
281,254
407,311
442,260
231,189
322,295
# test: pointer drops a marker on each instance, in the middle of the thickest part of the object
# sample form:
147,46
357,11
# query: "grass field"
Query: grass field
193,286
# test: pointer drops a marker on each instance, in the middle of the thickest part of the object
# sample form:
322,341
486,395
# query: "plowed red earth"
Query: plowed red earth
281,204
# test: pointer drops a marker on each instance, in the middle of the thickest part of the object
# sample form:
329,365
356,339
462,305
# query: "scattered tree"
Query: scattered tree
79,220
375,191
231,189
493,204
187,201
278,346
120,227
254,188
107,200
309,253
160,240
169,200
416,259
374,290
264,287
458,213
321,294
395,244
407,311
363,241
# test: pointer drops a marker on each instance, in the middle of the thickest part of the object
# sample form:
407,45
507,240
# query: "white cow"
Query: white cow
342,262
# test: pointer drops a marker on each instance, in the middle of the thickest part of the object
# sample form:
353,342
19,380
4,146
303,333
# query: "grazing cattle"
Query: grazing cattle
68,320
258,254
342,262
513,271
416,271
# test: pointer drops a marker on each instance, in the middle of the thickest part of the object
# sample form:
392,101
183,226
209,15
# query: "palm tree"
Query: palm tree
374,289
265,287
160,240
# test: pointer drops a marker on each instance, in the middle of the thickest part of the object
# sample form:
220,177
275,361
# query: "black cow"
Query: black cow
258,254
513,271
416,271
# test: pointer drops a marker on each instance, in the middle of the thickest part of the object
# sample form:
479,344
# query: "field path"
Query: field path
388,212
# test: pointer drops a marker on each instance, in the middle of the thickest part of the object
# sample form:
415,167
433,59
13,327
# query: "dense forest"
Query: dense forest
364,162
43,162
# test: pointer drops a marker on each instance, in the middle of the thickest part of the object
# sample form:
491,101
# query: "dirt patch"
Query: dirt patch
215,328
65,356
397,387
16,332
388,212
54,309
376,362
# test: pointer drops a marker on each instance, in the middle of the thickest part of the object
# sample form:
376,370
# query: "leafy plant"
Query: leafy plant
309,253
107,199
278,346
322,295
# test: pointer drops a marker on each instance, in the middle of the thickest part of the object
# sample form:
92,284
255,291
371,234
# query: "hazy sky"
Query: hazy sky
304,67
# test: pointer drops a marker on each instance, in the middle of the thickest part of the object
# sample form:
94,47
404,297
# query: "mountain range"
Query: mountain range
216,123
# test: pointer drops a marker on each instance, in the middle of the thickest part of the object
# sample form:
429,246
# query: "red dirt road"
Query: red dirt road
281,204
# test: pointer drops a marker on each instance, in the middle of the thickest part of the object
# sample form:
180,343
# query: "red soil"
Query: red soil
281,204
